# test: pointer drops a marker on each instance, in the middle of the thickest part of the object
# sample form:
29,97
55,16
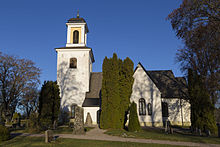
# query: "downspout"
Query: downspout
181,111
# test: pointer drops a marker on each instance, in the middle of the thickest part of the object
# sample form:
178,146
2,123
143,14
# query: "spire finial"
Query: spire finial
77,14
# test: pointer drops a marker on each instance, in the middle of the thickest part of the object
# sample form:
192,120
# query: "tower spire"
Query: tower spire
77,14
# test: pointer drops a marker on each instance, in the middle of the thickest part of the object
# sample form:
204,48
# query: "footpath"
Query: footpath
98,134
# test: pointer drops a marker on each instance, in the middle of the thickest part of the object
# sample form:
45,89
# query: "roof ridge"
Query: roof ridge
161,70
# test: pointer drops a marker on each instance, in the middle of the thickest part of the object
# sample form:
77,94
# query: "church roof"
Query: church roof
91,102
95,85
93,96
169,85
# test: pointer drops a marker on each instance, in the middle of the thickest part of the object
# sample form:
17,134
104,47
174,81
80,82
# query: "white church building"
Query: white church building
159,95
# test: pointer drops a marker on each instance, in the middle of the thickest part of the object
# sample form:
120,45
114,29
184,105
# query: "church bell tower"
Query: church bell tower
74,64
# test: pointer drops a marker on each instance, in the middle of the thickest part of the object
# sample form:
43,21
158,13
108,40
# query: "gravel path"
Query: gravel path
98,134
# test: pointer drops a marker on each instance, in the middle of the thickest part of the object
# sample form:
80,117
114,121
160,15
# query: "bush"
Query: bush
4,133
133,119
33,124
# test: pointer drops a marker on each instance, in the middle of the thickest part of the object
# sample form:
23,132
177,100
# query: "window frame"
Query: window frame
142,106
149,108
73,63
73,111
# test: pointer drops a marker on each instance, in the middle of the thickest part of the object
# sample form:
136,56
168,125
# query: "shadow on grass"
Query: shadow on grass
159,134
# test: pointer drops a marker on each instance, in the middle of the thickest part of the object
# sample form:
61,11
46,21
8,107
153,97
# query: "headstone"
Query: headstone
218,130
78,127
208,133
48,136
88,120
165,126
200,132
54,124
171,130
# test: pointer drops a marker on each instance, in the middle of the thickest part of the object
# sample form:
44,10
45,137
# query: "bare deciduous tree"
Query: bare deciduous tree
197,23
16,76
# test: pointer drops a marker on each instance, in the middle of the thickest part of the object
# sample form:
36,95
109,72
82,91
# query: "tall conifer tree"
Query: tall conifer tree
202,110
116,90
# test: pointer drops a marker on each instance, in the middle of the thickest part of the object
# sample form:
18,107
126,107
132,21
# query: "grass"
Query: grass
59,130
60,142
160,135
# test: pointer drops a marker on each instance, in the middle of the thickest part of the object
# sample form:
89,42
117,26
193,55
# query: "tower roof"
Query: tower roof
76,20
79,20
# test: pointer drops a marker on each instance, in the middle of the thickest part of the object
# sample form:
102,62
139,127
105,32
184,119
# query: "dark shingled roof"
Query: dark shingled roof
95,85
91,102
169,85
78,20
80,47
93,97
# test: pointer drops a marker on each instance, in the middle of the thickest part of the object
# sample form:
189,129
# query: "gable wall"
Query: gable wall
144,87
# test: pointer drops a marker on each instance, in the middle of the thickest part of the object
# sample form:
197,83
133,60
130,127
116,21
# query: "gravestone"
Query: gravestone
48,136
218,129
200,132
88,120
78,126
208,133
165,127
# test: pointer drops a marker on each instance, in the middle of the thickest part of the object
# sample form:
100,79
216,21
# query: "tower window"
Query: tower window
142,106
73,63
149,108
76,37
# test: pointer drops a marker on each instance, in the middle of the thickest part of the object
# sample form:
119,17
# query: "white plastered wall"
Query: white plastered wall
144,87
93,113
73,83
179,111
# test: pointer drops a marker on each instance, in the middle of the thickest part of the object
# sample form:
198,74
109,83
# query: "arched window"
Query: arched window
142,106
76,37
73,107
73,63
165,112
149,108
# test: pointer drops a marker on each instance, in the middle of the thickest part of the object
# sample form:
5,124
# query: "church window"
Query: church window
76,37
165,112
142,106
149,108
73,111
73,63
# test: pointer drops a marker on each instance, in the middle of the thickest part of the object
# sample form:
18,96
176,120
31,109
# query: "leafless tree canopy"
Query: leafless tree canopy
197,23
17,77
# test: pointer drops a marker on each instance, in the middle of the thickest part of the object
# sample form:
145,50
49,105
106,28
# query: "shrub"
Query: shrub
4,133
133,119
33,124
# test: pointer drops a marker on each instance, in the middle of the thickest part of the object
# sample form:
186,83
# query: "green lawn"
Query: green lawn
61,142
160,135
59,130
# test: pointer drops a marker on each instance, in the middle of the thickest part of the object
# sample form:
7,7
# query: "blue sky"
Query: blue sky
138,29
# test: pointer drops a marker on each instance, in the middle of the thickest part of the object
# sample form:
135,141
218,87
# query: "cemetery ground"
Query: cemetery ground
112,138
60,142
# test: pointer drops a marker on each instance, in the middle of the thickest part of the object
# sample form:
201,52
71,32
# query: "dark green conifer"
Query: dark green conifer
49,104
202,110
116,90
133,119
